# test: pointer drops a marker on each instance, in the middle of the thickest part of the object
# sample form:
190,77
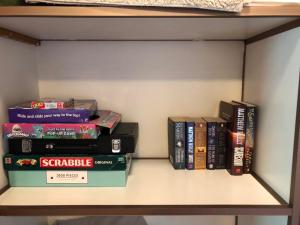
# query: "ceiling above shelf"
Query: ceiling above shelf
45,28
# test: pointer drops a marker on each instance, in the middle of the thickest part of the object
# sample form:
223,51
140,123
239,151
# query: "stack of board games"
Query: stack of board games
67,143
224,142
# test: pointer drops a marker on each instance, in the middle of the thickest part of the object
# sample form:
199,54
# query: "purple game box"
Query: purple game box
79,112
105,124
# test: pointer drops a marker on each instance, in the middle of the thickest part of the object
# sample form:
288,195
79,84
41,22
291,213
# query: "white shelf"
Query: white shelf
140,28
153,182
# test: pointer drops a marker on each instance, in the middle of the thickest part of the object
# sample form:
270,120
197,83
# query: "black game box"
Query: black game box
121,141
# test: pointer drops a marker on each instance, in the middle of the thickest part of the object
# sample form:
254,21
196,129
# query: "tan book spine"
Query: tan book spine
200,145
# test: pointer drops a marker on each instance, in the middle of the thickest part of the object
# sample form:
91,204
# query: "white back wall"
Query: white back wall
18,81
145,81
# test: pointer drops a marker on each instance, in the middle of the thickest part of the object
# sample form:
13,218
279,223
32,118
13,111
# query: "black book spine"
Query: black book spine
211,145
250,138
221,146
176,135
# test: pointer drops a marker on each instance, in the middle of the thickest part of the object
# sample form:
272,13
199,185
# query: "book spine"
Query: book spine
238,140
177,144
180,144
250,139
51,131
200,145
190,135
19,115
221,146
211,145
84,162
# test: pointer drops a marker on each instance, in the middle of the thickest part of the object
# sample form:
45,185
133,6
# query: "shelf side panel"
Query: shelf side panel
271,82
145,81
18,82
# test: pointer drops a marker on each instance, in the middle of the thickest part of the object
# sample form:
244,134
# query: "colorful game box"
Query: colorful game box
105,124
51,130
80,111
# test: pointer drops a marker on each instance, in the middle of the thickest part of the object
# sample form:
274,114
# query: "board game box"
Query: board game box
51,130
66,162
123,140
80,111
69,178
105,122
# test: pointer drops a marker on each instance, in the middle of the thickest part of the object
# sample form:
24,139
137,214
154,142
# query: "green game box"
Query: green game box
68,178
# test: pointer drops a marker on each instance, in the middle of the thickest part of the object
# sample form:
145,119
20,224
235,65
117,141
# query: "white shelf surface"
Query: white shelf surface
141,28
152,182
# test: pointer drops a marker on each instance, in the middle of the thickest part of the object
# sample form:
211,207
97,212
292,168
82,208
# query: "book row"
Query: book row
224,142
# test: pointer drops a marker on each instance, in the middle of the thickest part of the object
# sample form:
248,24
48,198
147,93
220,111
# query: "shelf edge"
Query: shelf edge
288,10
60,210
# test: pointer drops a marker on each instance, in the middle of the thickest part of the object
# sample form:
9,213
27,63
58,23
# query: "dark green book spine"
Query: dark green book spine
176,135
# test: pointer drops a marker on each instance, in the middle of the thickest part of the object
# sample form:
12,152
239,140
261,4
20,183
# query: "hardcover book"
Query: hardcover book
80,111
190,145
123,140
200,144
221,143
176,139
250,135
66,162
211,142
234,114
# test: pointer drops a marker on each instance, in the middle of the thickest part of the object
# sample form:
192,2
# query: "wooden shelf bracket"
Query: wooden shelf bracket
19,37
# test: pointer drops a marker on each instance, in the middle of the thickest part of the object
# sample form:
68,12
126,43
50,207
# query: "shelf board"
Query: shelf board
158,29
79,11
153,187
